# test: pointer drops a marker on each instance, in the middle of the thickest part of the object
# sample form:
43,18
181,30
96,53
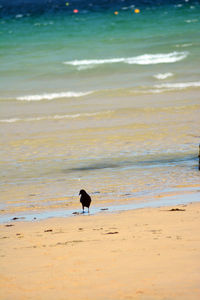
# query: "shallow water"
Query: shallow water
189,196
105,102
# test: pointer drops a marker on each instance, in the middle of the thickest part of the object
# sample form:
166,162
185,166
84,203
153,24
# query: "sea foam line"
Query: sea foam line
162,76
175,85
146,59
53,96
54,117
167,87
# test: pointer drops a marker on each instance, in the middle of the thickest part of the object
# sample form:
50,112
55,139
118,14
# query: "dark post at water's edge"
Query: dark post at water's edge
199,157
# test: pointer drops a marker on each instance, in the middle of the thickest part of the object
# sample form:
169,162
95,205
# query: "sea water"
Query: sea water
105,99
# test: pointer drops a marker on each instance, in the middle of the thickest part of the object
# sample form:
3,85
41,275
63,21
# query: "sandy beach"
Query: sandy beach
151,253
104,96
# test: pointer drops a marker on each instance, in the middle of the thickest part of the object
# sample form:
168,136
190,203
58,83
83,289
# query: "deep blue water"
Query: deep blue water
13,7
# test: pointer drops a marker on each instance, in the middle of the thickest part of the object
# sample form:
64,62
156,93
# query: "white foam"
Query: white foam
128,7
146,59
168,87
192,21
178,85
19,16
53,96
12,120
150,59
54,117
183,45
94,61
162,76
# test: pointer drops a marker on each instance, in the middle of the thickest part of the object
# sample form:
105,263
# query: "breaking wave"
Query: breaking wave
53,96
162,76
178,85
146,59
54,117
118,92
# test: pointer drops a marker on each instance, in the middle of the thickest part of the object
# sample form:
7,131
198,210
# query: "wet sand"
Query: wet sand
151,253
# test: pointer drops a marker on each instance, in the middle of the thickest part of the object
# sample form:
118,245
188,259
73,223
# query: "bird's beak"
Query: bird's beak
79,193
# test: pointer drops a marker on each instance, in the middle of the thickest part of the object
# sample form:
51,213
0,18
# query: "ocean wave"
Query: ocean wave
170,87
54,117
19,16
121,92
154,89
128,7
178,85
192,21
53,96
183,45
146,59
163,75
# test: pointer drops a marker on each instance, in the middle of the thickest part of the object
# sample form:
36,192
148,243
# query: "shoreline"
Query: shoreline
144,254
156,201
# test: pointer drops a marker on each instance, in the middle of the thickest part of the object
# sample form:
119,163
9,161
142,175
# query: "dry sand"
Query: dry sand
140,254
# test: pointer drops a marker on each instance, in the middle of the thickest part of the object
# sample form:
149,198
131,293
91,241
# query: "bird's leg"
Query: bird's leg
83,209
88,210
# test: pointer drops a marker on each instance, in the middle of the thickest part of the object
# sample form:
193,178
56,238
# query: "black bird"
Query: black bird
85,199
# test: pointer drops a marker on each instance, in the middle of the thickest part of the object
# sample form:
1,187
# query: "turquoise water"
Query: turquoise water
34,49
109,103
